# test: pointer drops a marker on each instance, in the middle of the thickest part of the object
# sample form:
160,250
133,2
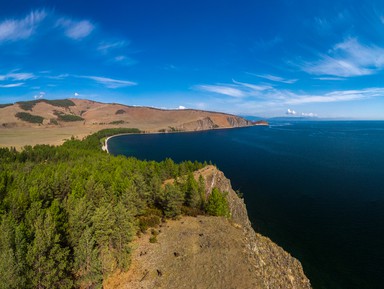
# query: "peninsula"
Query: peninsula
52,121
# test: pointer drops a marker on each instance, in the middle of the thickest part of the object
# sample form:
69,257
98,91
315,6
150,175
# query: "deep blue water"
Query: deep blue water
315,188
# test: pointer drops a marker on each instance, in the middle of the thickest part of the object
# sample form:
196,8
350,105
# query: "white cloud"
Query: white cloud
17,76
76,30
221,89
272,97
308,114
18,29
76,94
275,78
346,59
106,47
15,79
337,96
237,89
182,107
253,87
10,85
330,78
291,112
40,95
109,82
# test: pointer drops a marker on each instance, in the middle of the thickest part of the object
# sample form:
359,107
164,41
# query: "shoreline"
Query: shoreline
105,144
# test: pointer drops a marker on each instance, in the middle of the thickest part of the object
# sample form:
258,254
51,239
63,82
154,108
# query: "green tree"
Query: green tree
217,204
8,262
171,201
47,259
192,196
87,266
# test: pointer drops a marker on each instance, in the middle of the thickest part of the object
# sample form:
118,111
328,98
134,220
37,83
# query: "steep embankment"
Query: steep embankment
211,252
52,121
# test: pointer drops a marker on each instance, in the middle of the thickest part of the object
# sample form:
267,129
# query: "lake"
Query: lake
316,188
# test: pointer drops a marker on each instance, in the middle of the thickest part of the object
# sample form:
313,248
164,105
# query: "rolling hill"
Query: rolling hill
52,121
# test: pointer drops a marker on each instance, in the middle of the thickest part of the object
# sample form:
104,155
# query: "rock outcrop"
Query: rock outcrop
273,266
211,252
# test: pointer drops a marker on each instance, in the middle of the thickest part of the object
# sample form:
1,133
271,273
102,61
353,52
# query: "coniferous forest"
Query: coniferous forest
68,213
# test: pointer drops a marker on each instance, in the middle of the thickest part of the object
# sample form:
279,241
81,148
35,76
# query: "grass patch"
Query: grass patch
25,116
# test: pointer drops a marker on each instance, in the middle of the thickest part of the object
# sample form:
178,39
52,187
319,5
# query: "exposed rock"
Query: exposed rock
235,121
211,252
276,267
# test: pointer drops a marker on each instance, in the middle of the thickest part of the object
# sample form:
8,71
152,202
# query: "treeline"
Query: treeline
28,105
68,213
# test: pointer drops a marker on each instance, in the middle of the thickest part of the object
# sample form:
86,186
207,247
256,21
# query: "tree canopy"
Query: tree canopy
68,213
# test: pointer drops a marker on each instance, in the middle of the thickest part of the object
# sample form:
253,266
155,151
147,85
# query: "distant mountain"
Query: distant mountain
293,118
252,117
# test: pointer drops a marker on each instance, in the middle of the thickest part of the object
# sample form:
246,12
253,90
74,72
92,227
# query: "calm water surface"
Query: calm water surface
315,188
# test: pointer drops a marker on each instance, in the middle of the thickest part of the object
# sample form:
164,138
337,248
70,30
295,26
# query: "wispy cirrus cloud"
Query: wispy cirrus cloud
330,78
236,89
347,59
17,76
19,29
106,47
11,85
275,78
15,79
271,96
110,82
75,30
336,96
221,89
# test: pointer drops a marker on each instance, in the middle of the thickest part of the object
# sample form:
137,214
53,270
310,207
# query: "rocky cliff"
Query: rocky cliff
211,252
273,266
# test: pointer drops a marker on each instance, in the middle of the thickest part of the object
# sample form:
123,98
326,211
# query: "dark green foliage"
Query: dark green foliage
28,105
60,102
117,122
5,105
120,111
69,213
69,117
217,204
25,116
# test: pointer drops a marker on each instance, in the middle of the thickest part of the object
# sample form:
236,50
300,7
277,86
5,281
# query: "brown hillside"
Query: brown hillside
89,116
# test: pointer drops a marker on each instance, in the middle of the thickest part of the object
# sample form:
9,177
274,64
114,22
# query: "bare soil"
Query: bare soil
201,252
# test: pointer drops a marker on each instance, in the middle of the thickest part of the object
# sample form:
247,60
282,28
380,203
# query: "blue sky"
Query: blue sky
264,58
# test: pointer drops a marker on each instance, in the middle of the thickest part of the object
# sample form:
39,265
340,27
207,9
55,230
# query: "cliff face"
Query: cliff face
273,266
210,252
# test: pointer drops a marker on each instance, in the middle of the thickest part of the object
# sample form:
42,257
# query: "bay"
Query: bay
316,188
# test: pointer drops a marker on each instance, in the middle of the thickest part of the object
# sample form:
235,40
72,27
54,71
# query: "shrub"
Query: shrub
69,117
117,122
120,111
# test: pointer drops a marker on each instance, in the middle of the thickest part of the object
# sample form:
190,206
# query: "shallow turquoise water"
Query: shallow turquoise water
315,188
